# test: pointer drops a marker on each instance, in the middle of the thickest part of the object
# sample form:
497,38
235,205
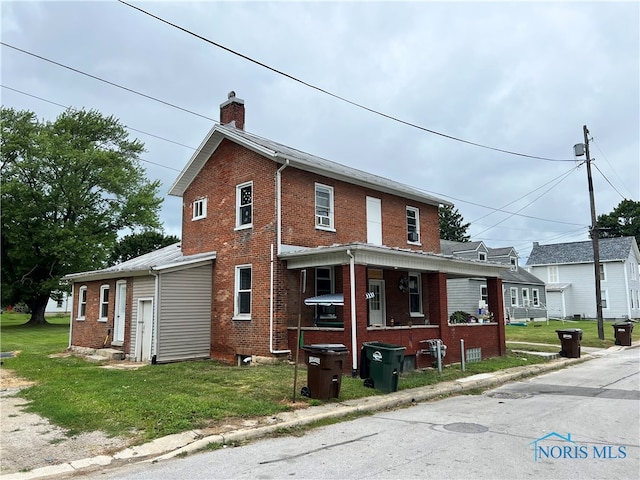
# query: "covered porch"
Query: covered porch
396,296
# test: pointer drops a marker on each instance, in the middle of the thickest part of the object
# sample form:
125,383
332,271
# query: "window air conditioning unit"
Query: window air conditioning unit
413,236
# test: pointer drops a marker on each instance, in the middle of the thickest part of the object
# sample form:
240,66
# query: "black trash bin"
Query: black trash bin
381,365
570,340
622,332
325,364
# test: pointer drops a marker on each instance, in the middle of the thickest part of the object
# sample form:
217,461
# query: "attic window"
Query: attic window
482,256
514,263
199,209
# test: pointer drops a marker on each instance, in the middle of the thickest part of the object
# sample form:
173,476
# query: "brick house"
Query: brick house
285,237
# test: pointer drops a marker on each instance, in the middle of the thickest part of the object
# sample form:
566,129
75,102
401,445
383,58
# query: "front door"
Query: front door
144,330
121,308
376,303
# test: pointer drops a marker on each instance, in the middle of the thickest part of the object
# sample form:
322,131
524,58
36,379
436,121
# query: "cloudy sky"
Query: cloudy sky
519,77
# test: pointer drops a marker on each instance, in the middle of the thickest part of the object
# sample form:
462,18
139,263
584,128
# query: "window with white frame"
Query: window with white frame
482,256
602,272
535,297
633,271
82,303
415,294
199,209
242,308
525,297
244,205
552,274
513,291
632,299
413,225
324,206
604,301
513,261
324,286
484,294
104,303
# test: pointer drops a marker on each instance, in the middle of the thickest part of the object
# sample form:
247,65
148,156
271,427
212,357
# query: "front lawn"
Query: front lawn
157,400
540,332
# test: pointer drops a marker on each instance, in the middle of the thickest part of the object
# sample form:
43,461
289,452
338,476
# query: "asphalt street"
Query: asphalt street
579,422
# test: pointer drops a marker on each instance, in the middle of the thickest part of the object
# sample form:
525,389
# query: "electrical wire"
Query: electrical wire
605,177
338,97
109,82
593,141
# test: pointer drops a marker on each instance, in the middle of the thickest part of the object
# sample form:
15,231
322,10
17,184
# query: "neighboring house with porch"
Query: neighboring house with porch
269,227
524,293
569,272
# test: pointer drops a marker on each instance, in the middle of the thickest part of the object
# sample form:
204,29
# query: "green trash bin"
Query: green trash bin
381,364
570,340
622,333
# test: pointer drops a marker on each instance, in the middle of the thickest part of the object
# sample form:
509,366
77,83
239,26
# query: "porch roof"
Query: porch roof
386,257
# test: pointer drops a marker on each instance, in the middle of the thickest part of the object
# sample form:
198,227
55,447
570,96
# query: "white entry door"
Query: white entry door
376,303
144,330
121,308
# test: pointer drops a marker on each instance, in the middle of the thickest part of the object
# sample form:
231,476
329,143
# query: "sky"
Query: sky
430,94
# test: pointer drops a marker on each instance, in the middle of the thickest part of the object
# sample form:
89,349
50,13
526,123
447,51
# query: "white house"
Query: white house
567,269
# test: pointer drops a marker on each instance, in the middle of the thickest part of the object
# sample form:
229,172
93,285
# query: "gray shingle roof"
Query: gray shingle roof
610,249
297,159
450,247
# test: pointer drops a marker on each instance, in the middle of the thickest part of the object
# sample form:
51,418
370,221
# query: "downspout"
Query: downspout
354,339
156,302
279,245
279,204
71,316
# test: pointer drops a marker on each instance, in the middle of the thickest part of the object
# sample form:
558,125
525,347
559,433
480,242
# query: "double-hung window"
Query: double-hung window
199,209
413,224
242,310
535,297
324,206
484,294
552,274
514,296
244,205
104,303
415,295
525,297
82,303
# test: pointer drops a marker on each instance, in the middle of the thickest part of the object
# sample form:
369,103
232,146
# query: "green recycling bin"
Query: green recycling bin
381,364
622,333
570,340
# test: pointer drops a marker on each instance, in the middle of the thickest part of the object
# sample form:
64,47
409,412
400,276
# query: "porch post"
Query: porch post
496,306
438,305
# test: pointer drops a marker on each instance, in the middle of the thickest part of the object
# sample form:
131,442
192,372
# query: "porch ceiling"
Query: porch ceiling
390,258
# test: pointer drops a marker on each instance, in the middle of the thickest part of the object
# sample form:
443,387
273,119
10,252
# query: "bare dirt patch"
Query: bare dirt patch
28,441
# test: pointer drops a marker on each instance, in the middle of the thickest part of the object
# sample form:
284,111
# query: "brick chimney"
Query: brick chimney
232,111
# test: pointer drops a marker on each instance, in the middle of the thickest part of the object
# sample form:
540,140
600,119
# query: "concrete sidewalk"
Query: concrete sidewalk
194,440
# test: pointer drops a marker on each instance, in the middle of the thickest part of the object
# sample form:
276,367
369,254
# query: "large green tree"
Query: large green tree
68,187
623,221
137,244
452,226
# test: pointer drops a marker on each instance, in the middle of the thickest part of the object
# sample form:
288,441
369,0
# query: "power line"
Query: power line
605,177
593,140
129,128
109,82
338,97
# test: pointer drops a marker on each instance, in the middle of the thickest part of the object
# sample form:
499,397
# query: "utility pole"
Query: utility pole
594,237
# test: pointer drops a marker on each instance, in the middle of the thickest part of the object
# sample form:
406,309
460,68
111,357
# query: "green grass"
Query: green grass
158,400
540,332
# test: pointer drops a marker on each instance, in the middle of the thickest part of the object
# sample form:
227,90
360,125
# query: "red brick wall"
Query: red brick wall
91,332
232,165
298,214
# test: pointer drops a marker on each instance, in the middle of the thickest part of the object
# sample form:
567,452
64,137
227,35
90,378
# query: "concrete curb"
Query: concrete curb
192,441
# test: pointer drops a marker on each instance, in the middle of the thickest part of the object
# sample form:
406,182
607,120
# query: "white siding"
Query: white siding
184,314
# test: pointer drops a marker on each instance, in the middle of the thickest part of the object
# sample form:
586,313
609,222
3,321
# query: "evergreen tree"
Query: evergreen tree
451,224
